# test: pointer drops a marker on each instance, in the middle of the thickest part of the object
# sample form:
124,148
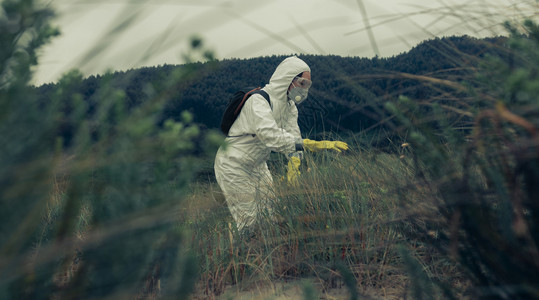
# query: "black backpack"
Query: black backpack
235,104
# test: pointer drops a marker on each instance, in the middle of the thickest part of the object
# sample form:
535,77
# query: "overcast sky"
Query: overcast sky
101,35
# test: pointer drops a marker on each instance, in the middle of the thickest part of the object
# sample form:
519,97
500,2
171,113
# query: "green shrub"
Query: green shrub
95,216
484,180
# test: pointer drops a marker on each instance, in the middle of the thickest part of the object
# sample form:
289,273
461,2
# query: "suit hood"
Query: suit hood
285,72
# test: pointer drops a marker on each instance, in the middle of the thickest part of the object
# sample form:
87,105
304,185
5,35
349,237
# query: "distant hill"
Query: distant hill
347,92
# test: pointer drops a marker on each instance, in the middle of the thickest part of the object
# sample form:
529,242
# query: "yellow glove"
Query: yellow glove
314,146
292,173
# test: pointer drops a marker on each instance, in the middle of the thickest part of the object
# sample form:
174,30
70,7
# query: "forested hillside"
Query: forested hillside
335,104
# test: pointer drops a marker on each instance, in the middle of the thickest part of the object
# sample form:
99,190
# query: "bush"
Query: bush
95,216
484,181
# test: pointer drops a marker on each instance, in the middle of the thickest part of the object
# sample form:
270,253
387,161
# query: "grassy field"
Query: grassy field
345,226
342,232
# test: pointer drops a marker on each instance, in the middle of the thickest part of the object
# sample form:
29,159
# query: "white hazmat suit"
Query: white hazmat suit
240,166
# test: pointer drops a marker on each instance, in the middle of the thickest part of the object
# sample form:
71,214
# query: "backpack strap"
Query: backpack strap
237,111
254,91
264,94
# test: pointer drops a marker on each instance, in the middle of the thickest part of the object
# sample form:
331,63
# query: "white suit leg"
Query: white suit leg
247,196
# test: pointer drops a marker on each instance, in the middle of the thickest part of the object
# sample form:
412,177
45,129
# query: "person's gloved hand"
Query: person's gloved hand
314,146
292,173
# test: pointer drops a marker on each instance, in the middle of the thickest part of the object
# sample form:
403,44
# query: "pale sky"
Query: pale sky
101,35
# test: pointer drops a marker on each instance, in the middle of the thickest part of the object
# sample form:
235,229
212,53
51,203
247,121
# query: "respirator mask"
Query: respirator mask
299,90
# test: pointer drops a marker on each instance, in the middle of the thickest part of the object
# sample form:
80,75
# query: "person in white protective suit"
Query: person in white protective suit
261,127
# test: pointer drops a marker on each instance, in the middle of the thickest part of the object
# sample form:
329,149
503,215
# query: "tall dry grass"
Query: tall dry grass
341,228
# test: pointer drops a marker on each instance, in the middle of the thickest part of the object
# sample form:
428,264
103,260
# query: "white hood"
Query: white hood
283,76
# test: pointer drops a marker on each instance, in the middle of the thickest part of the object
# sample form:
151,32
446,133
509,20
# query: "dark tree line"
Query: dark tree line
347,95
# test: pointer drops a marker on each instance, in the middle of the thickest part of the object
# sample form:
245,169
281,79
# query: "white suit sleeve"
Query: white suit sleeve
258,113
292,123
292,126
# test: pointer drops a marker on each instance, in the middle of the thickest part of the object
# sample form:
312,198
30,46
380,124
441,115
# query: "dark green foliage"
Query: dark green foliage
25,154
349,281
89,183
485,183
309,291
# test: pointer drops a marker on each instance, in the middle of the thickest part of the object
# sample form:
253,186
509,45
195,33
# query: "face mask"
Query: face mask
298,94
